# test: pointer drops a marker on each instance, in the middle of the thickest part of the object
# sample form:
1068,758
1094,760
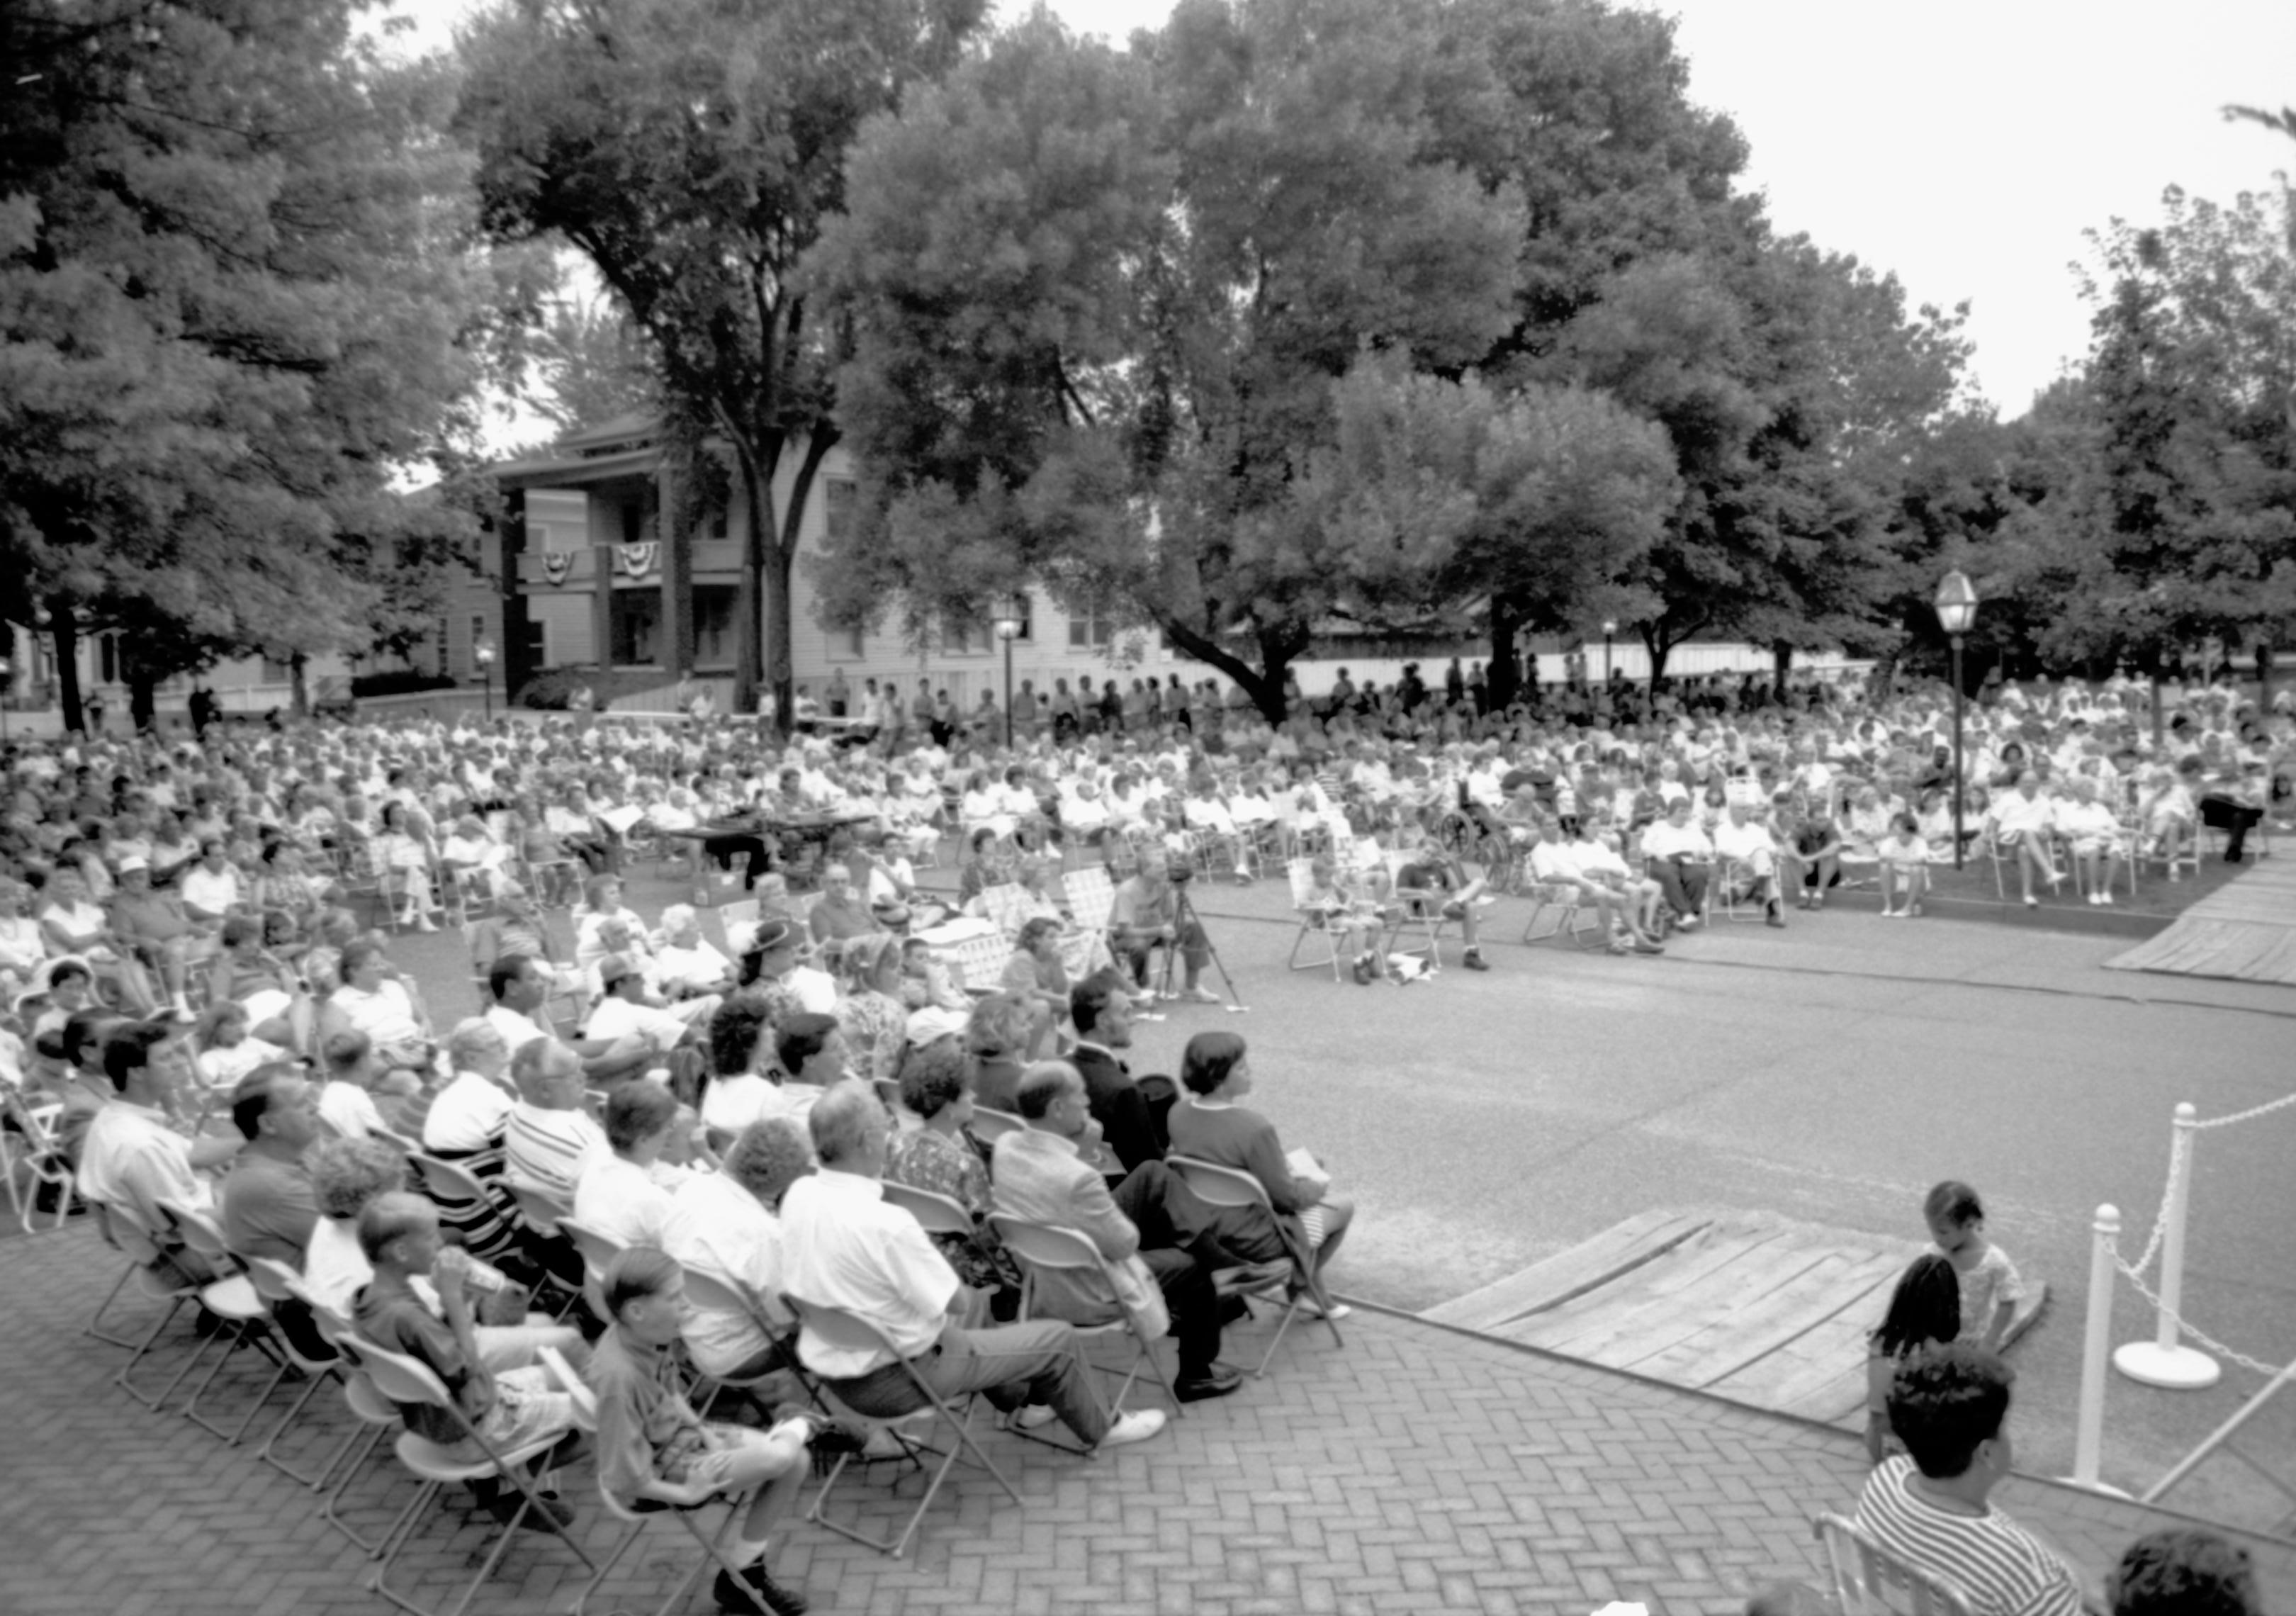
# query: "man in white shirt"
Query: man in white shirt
1746,843
1678,854
843,1246
209,888
688,964
625,1194
550,1141
725,1224
131,1158
469,1114
2023,821
1551,864
622,1012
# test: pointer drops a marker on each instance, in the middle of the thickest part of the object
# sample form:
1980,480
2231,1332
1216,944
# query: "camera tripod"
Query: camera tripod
1184,915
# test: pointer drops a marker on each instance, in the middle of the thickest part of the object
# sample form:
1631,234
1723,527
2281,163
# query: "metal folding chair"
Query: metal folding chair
275,1282
1314,920
233,1300
1226,1187
990,1126
1869,1580
407,1380
840,1329
28,1138
1047,1246
124,1233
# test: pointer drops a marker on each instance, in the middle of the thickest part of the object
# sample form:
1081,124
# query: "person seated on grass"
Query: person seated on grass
1904,868
844,1246
1553,866
1434,880
2092,832
500,1386
2182,1571
1356,920
1751,853
1679,856
653,1448
2023,825
1930,1506
1598,865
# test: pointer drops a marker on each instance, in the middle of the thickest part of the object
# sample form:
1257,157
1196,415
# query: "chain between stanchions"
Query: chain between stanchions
2253,1112
2187,1328
2180,1156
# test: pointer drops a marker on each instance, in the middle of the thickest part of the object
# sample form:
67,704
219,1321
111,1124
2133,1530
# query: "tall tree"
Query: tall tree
233,303
595,365
690,150
1100,301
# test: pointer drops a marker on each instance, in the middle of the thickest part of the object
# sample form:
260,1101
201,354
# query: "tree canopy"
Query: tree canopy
234,302
690,150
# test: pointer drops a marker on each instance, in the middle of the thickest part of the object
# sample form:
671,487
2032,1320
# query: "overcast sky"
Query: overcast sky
1964,144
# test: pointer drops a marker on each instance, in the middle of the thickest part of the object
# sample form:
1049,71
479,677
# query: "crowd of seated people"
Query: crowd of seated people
190,974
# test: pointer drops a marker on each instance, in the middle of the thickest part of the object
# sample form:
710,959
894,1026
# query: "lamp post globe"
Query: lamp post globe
483,654
1012,615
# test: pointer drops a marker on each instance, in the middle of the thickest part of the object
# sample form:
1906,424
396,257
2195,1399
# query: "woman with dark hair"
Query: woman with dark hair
1924,1312
741,1065
937,1089
1210,1125
1035,975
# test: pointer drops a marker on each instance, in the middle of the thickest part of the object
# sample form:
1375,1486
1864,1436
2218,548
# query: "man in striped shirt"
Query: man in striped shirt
1928,1506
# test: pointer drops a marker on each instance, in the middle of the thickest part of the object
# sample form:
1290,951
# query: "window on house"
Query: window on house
962,637
713,625
837,495
637,626
537,643
1091,629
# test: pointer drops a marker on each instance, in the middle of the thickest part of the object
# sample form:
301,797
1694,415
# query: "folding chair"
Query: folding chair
232,1299
598,1251
638,1515
1729,891
1314,920
843,1330
1417,911
1566,899
720,1294
27,1136
454,1189
990,1126
375,1416
1045,1246
275,1282
124,1233
1869,1580
938,1214
544,1214
740,917
408,1380
1226,1187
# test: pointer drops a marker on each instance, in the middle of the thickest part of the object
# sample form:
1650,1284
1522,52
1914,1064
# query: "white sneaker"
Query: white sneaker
1034,1416
1136,1427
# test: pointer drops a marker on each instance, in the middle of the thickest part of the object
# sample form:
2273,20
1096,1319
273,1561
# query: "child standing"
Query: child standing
1990,1289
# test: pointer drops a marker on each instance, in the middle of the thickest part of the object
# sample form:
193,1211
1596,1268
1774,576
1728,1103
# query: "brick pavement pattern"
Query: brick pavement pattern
1415,1470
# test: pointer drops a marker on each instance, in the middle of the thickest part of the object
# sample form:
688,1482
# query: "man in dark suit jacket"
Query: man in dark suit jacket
1102,1009
1157,1238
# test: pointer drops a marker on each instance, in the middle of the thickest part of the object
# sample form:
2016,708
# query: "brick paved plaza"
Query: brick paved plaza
1416,1470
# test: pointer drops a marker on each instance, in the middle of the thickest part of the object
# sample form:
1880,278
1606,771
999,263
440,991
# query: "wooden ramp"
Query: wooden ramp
2244,932
1748,1306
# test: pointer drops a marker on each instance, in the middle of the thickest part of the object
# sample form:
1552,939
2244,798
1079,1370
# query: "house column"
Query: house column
675,534
511,545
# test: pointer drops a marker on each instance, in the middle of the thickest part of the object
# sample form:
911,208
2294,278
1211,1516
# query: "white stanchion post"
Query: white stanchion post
2164,1361
2089,1430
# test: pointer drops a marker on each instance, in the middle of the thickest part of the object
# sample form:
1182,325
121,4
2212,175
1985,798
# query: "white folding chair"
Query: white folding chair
1314,920
152,1280
1045,1247
1226,1187
27,1139
1869,1580
232,1300
990,1126
407,1380
846,1331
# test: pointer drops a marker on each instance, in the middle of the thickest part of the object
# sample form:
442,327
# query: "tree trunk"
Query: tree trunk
298,688
2264,668
64,623
778,609
1279,648
1781,667
1503,675
749,667
142,700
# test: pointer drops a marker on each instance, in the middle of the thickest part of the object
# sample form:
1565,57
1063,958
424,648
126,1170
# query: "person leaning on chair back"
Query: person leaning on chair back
1929,1506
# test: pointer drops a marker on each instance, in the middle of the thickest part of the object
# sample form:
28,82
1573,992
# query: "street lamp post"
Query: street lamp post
1012,613
1957,610
5,670
1610,628
483,654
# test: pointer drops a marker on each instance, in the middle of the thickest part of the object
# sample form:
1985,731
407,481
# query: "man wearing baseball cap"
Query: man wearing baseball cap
154,926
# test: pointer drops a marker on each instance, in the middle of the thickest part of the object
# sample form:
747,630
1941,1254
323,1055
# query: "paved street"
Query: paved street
1414,1470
